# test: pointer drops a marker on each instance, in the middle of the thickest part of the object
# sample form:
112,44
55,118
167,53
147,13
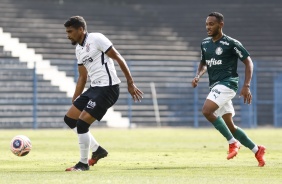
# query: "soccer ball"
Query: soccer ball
20,145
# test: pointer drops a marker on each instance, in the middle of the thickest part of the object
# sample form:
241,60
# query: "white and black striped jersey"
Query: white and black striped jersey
92,54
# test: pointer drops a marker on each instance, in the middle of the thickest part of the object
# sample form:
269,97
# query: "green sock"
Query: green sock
242,137
220,125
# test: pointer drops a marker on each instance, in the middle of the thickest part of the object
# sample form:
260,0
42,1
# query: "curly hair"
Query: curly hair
76,22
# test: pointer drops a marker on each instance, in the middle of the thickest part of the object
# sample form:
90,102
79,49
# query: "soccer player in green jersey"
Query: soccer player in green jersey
219,56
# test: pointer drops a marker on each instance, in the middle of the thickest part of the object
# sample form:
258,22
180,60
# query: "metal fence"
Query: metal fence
248,114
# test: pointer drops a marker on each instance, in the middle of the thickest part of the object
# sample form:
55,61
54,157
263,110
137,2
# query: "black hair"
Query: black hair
219,17
76,22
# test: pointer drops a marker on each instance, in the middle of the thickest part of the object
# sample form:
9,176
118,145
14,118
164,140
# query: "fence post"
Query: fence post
129,100
254,91
75,71
35,126
155,104
277,101
249,112
196,101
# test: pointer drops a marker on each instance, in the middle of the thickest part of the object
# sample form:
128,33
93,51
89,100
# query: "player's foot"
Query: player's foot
260,156
79,167
97,155
233,149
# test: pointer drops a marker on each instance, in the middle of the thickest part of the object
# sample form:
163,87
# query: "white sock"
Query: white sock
255,149
93,143
84,142
232,140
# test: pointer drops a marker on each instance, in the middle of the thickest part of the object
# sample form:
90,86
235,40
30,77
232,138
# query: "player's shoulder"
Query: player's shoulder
206,40
231,40
95,35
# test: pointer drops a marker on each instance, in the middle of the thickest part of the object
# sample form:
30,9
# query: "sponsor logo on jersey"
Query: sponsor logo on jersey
218,50
91,104
238,52
213,62
224,43
86,59
97,82
204,42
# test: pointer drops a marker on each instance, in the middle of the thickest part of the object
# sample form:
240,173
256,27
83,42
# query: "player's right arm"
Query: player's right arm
202,68
81,81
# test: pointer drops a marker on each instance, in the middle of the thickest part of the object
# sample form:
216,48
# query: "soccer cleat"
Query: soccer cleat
233,149
97,155
79,167
260,156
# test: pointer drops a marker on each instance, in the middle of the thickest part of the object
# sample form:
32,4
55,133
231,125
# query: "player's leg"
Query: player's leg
72,116
218,96
106,99
208,111
241,136
83,123
80,121
101,98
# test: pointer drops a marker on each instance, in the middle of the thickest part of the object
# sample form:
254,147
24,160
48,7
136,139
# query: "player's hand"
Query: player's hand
195,82
246,93
136,93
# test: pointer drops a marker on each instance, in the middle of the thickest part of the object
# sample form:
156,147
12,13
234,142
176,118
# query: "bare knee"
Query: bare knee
209,114
206,112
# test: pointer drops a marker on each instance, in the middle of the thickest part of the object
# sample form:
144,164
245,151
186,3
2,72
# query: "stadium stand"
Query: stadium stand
159,39
17,97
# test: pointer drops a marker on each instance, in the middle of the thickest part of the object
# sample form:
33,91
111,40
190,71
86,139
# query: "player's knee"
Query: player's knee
70,122
206,112
82,126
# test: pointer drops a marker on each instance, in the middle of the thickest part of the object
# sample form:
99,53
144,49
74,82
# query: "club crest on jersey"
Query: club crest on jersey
218,50
87,47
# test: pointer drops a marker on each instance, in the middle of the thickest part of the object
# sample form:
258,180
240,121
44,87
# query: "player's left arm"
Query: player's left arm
132,89
245,91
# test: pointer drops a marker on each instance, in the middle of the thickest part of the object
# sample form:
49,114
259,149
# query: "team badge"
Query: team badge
87,47
218,50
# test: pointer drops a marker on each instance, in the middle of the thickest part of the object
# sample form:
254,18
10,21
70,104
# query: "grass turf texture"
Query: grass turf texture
142,156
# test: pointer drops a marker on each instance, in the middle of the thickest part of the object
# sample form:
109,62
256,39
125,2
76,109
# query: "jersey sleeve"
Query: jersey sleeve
240,51
79,61
103,43
203,60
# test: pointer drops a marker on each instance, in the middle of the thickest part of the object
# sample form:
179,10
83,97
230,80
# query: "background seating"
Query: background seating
160,41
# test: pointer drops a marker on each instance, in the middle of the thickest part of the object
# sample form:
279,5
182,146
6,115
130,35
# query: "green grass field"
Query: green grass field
161,156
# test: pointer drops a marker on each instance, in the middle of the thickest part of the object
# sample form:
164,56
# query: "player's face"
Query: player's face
74,35
213,26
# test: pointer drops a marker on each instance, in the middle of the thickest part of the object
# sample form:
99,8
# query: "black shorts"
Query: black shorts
97,100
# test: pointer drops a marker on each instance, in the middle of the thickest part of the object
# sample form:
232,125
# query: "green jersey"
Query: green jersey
221,59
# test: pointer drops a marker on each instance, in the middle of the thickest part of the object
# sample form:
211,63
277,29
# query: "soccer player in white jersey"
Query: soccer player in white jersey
95,55
219,56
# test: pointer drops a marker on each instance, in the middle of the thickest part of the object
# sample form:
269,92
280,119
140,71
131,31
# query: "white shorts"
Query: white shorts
222,96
